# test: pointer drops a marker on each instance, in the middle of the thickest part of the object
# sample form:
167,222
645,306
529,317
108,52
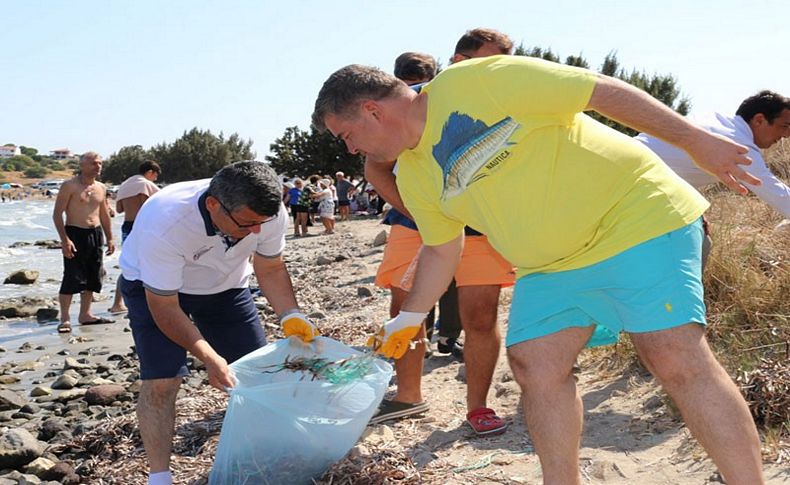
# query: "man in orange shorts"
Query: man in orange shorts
480,276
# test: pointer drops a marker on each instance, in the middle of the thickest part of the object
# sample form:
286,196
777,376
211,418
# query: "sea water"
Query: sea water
31,221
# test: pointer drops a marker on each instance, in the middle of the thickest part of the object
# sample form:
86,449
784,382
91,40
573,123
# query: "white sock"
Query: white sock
160,478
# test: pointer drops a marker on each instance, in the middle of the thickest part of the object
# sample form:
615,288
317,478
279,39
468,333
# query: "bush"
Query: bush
19,162
36,172
51,164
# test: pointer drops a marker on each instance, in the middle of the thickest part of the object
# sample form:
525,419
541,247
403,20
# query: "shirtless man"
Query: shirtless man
132,193
83,199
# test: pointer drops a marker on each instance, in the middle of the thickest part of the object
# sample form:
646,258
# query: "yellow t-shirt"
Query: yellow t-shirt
507,150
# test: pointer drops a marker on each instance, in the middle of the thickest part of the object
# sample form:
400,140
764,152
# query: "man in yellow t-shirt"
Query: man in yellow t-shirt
605,236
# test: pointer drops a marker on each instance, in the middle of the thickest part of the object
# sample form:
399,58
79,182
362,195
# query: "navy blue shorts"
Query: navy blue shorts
228,321
126,229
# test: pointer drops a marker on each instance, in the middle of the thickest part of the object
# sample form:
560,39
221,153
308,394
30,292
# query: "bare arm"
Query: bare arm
106,223
172,321
633,107
110,210
61,203
275,282
435,270
381,176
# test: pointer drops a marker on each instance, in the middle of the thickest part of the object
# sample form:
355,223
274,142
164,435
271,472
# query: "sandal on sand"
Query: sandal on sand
64,327
396,410
485,422
98,321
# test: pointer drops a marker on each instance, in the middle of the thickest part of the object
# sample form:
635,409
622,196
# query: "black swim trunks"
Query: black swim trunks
83,272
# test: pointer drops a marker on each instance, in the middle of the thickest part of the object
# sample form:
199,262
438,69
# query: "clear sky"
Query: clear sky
103,74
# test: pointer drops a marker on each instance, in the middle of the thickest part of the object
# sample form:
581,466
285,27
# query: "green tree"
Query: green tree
18,163
29,151
49,163
299,153
36,172
124,163
199,154
663,87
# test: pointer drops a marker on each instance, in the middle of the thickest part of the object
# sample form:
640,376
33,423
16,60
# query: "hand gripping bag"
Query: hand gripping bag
286,427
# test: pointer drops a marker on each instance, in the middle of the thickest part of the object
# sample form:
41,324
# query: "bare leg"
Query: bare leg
65,304
117,303
710,403
302,216
327,222
478,308
408,368
552,405
86,300
156,414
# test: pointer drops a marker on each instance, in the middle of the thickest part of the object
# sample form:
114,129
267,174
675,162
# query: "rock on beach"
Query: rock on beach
23,306
22,277
18,447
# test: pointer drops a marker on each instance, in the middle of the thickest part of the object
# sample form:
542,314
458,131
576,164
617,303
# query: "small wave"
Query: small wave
32,225
5,251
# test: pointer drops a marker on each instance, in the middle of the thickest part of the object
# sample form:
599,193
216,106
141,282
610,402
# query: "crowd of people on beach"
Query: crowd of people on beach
326,199
495,178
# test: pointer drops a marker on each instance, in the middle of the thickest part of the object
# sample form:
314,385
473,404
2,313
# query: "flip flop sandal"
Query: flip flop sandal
64,327
396,410
485,422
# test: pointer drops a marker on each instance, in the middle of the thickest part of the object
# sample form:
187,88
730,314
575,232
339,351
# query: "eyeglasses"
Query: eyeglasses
238,224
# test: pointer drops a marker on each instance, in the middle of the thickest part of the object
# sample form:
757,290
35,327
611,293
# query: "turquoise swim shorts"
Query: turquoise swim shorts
652,286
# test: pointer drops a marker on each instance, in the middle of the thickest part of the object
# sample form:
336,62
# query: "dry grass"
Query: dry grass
377,466
113,454
747,292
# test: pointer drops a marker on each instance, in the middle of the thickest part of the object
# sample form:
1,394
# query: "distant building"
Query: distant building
61,154
8,151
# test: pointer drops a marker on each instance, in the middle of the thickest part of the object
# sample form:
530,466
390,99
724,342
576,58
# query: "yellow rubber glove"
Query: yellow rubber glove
296,323
394,337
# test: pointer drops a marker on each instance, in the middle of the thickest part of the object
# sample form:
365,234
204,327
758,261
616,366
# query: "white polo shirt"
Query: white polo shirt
773,191
175,248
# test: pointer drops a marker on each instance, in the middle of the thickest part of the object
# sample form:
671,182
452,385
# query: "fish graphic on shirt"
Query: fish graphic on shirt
466,146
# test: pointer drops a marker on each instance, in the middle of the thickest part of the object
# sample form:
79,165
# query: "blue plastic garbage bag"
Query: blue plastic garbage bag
285,427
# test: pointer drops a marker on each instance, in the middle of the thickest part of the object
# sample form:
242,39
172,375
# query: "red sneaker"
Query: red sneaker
485,422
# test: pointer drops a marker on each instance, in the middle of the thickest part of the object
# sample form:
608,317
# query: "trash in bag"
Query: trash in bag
296,409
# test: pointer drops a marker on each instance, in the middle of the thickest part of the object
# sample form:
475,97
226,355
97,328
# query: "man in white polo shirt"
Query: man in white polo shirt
188,256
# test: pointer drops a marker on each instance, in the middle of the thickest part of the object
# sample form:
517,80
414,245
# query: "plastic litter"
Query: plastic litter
296,410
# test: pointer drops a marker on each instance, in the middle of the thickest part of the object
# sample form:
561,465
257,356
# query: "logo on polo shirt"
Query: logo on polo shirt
200,252
471,150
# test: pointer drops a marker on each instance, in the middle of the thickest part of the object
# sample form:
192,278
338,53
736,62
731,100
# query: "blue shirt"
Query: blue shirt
293,196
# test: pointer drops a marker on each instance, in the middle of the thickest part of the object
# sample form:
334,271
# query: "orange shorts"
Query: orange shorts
480,263
402,246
